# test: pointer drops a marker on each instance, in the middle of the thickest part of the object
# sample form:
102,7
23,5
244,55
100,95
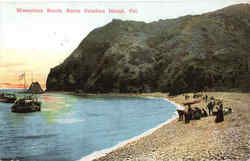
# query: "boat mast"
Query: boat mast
31,84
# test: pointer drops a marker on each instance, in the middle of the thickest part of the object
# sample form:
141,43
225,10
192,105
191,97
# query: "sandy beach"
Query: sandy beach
199,140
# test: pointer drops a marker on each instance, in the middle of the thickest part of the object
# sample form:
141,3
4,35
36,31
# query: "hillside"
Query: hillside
190,53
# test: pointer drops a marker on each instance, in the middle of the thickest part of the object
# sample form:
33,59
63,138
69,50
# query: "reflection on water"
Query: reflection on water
55,105
70,127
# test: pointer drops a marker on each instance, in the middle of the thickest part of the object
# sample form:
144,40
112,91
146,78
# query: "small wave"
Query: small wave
68,121
178,107
151,97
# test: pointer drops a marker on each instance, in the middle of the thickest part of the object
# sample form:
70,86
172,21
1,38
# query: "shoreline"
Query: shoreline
103,152
174,140
199,140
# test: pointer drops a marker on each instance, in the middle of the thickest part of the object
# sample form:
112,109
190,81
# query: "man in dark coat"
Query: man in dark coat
186,117
188,114
220,114
210,107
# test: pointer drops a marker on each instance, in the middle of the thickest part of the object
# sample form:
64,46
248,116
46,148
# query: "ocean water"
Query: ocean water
71,127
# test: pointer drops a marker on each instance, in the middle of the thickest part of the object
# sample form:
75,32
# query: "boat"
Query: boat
26,105
8,97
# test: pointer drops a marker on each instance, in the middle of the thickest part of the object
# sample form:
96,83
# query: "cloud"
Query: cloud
11,85
7,65
17,85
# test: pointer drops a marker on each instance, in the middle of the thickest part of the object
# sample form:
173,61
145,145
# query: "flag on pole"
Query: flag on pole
21,76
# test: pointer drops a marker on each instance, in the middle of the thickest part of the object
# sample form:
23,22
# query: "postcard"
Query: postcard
136,80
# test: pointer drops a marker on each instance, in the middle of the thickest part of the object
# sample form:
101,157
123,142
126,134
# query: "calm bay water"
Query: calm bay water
70,127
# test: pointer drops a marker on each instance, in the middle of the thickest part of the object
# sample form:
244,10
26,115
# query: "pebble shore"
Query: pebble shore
200,140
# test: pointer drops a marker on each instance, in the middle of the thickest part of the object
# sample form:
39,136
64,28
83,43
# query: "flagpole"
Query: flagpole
32,78
24,81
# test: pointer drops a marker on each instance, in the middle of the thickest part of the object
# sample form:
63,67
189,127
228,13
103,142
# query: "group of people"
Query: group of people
219,113
192,114
196,113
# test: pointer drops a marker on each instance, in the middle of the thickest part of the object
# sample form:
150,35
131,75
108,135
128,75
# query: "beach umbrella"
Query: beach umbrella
191,102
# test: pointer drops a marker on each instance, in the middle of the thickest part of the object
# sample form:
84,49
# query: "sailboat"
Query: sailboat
26,104
8,97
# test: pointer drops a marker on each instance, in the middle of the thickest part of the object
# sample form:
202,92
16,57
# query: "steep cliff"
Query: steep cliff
190,53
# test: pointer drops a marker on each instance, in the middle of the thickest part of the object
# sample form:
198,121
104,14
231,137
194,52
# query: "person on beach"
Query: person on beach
197,114
190,112
204,113
210,107
181,114
220,114
187,115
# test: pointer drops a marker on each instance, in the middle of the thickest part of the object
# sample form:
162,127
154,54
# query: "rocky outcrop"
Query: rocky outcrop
190,53
35,88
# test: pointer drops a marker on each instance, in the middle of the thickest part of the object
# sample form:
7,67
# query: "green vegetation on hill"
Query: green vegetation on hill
190,53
